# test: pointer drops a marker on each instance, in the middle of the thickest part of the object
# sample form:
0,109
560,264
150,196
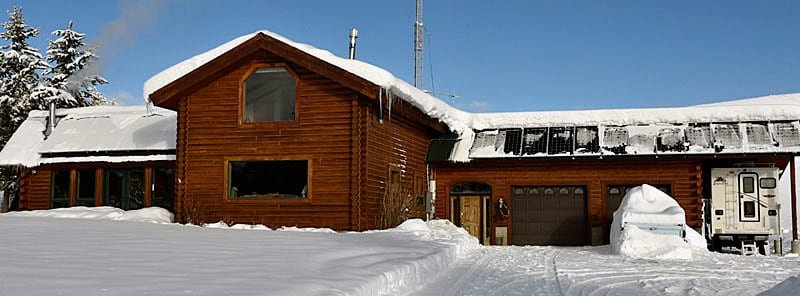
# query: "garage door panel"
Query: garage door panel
548,215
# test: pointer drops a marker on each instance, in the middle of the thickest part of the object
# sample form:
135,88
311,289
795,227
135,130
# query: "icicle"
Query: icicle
149,107
380,105
389,99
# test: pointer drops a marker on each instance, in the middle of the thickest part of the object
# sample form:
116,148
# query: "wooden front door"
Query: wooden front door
471,215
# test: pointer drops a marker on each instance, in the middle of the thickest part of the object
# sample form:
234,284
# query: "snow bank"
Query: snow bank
647,205
153,214
206,261
442,231
790,286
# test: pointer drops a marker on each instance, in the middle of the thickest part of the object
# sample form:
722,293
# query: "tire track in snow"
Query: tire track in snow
470,275
552,269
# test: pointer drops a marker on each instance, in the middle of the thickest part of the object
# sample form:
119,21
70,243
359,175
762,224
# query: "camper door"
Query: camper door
749,198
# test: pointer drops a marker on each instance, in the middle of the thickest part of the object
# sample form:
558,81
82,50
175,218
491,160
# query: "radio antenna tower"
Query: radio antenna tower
419,33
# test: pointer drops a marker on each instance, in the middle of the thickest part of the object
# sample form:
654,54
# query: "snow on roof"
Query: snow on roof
455,119
769,108
91,130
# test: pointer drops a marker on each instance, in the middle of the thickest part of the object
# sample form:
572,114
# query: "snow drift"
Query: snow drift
179,260
152,214
646,205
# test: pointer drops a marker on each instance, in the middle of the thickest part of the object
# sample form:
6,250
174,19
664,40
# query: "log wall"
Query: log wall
683,176
210,132
35,187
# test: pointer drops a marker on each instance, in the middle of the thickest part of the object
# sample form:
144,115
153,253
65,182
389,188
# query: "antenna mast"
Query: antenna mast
419,32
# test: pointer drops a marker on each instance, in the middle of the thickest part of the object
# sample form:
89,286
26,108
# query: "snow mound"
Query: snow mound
695,239
442,231
790,286
646,205
637,243
152,214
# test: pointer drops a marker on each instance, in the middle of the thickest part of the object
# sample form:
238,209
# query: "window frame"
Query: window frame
68,190
252,69
265,199
92,173
772,181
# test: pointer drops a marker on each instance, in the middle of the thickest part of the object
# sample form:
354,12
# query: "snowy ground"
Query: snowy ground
595,271
96,256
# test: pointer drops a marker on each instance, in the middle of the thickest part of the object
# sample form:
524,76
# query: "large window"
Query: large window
86,187
125,188
269,95
163,187
268,179
59,191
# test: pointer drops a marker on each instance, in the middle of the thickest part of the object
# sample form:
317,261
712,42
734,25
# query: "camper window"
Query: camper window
768,183
268,179
748,185
269,95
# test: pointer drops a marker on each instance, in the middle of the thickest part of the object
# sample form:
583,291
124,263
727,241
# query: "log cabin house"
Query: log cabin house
120,156
280,133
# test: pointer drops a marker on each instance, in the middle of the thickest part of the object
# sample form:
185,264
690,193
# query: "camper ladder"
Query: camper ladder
749,248
731,203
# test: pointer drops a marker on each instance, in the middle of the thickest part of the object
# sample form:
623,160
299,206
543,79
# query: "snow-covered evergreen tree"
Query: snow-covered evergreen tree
19,63
19,66
72,72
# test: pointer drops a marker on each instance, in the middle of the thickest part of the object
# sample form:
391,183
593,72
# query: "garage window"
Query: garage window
268,179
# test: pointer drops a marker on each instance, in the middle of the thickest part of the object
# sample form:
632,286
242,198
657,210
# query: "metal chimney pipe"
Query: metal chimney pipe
353,36
51,120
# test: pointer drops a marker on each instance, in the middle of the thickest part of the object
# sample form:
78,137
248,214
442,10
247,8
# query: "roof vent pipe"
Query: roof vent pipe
51,120
353,36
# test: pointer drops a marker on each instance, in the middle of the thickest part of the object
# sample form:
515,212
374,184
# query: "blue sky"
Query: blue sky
495,55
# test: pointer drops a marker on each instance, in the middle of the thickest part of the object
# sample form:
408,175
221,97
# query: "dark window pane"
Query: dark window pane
749,209
163,188
59,194
135,190
272,178
114,188
269,95
86,187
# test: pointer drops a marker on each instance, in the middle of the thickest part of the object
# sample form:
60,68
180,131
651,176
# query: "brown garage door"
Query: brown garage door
549,215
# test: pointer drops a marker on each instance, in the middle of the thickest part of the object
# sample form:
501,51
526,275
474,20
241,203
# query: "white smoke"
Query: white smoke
134,18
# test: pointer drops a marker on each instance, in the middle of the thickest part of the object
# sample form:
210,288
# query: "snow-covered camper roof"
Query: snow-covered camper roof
765,124
93,134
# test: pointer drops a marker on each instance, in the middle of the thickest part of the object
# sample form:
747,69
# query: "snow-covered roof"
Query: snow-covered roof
98,133
469,125
456,119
